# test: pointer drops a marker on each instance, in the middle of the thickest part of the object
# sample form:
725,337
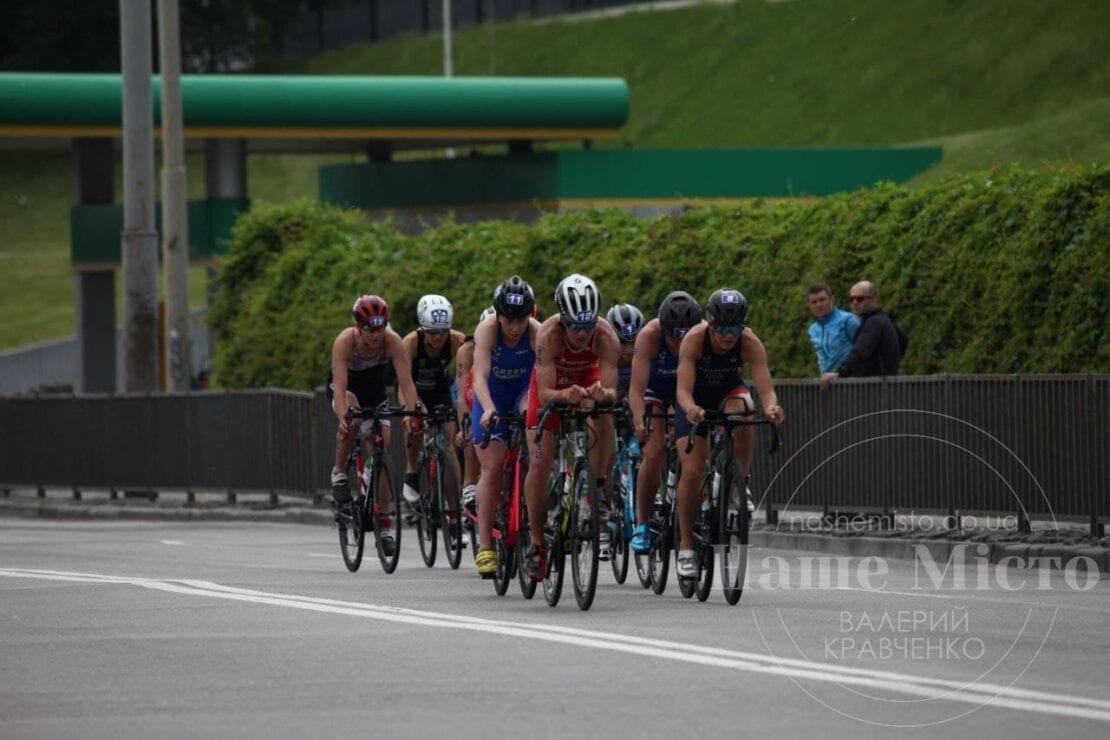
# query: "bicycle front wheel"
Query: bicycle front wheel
387,516
427,518
352,535
735,523
450,522
618,530
584,534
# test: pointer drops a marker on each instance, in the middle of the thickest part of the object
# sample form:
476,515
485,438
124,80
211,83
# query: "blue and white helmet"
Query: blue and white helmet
626,320
434,312
578,298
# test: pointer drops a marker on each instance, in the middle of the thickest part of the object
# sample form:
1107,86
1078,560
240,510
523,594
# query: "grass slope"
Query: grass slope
992,81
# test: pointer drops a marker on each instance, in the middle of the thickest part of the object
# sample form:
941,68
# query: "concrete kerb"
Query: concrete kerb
905,549
857,547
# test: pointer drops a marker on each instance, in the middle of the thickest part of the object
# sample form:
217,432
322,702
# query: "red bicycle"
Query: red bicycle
510,521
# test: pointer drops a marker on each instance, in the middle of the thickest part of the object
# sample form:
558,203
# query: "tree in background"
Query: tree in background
82,36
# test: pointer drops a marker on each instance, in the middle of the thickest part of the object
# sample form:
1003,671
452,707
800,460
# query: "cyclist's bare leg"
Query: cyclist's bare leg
452,460
412,449
743,438
344,443
492,462
651,468
385,496
541,460
604,433
689,486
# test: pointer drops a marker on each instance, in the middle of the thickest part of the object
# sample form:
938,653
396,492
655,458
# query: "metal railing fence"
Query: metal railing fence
1028,446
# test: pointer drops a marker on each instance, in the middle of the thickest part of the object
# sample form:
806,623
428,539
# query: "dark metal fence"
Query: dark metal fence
330,24
1021,445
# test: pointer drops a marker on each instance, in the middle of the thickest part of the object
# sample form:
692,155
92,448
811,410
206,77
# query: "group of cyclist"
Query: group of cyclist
682,361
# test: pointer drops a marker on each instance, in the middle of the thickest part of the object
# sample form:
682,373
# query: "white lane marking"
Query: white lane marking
172,542
931,688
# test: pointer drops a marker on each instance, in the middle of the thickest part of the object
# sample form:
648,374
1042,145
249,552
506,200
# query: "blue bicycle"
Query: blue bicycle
622,518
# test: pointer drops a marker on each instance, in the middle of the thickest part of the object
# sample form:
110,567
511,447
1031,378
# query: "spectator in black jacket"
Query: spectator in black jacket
877,348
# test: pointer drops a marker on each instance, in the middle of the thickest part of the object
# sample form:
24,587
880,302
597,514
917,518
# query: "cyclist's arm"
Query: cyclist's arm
402,366
409,345
485,336
547,349
340,359
755,354
647,347
464,360
689,352
608,356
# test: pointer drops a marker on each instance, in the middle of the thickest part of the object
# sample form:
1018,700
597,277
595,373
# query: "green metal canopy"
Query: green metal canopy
39,104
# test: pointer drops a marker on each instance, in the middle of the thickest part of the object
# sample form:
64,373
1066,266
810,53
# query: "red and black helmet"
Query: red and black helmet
371,311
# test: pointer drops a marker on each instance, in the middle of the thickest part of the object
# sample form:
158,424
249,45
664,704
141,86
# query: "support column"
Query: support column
225,177
93,170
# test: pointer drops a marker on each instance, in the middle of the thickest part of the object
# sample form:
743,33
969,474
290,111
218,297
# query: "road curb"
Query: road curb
1027,555
1053,555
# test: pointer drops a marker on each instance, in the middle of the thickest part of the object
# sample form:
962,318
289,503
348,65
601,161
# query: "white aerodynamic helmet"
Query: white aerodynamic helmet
578,298
434,312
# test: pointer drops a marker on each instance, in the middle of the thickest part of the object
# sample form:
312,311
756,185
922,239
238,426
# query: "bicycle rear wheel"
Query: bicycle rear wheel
387,525
523,539
618,542
450,522
705,562
660,558
554,538
352,535
734,532
427,518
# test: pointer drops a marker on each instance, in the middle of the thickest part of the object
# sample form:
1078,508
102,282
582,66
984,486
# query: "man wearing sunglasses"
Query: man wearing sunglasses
878,346
576,364
430,349
357,379
654,374
709,362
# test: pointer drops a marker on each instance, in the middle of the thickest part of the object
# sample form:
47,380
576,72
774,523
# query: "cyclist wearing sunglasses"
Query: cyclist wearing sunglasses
654,374
709,364
430,349
504,355
576,365
357,379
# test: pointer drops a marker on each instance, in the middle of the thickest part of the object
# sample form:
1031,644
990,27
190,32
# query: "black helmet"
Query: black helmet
678,310
727,307
514,298
626,320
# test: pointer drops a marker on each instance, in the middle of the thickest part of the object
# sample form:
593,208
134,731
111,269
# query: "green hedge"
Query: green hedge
996,272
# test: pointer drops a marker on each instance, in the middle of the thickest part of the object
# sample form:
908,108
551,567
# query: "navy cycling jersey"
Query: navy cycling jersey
663,377
716,373
429,374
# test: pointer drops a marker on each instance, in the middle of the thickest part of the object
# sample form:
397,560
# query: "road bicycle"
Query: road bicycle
382,513
653,567
439,509
510,520
573,517
622,517
722,529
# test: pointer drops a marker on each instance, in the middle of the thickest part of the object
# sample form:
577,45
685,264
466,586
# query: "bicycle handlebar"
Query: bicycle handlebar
576,411
496,419
731,421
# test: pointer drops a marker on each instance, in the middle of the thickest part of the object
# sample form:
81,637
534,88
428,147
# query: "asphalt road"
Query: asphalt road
166,629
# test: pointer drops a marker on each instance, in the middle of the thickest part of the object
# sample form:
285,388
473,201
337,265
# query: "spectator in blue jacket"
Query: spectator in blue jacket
832,331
